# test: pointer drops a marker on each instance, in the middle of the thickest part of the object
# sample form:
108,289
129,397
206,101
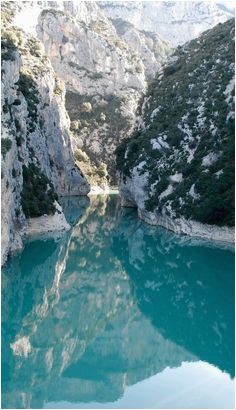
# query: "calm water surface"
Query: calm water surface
117,314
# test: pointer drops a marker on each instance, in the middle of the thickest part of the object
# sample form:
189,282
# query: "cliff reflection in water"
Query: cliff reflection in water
109,304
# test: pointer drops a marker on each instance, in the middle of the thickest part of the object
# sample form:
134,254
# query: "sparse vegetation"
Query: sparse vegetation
75,125
28,87
102,170
96,174
8,46
189,115
59,87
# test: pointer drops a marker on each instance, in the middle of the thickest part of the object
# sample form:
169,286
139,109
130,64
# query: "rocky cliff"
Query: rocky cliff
104,81
105,74
37,159
178,167
176,22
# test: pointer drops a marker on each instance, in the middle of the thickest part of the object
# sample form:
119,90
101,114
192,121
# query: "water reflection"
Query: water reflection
189,282
110,304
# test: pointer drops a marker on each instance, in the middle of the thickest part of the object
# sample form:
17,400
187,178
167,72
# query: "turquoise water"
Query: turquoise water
117,314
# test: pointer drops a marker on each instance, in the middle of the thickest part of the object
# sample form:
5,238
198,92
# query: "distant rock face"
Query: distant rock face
178,167
37,160
104,80
152,49
176,22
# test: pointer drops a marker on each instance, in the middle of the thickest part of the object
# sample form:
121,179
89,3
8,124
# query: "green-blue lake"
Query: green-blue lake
117,314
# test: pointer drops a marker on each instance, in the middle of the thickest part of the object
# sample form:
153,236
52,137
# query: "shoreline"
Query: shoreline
134,198
189,228
46,224
96,190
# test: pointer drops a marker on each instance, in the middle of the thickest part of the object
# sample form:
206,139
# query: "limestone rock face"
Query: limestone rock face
10,186
104,79
176,22
36,146
178,166
153,49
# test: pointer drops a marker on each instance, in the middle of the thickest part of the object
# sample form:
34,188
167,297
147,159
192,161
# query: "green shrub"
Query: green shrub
81,156
5,108
19,140
8,46
38,194
14,173
102,170
17,124
172,69
6,144
16,102
17,212
28,87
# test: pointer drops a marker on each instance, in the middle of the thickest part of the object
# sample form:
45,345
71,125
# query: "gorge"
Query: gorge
117,213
